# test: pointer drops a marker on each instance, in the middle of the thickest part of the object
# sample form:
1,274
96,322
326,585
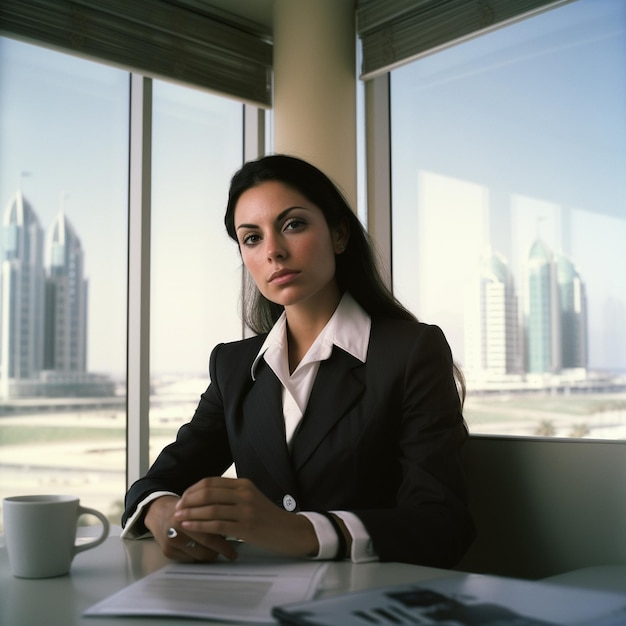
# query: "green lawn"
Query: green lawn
14,435
508,407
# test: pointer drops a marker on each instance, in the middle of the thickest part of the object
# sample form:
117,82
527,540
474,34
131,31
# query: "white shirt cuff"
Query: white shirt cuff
130,531
362,549
326,535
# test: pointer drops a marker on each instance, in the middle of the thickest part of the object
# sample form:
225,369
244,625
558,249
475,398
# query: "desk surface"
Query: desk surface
102,571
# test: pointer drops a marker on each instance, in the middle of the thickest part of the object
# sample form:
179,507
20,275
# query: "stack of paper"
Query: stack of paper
227,591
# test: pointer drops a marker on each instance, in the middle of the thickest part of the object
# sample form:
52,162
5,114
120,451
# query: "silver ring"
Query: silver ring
191,544
171,533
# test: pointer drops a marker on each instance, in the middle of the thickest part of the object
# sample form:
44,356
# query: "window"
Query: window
195,268
508,220
63,197
64,172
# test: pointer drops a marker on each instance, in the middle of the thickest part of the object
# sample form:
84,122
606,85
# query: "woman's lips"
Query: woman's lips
282,276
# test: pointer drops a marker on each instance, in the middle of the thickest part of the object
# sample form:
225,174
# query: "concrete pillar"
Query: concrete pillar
315,86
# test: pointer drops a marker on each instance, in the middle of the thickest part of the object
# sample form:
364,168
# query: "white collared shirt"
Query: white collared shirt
348,329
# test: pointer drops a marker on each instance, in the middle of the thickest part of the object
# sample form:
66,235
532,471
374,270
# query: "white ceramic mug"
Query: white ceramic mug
40,533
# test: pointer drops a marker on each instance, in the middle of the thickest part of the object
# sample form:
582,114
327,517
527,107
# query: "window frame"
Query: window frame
380,209
139,240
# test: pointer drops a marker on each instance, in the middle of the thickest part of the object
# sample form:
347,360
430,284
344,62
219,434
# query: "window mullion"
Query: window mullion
138,341
378,164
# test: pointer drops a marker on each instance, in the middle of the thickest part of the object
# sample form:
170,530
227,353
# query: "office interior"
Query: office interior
542,506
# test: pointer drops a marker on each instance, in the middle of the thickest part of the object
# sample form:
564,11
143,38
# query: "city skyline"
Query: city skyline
547,334
64,122
43,308
76,154
499,334
505,138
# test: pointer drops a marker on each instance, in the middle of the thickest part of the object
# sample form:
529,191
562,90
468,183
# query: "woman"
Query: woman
342,415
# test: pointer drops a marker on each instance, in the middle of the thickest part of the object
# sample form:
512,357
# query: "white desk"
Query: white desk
601,577
102,571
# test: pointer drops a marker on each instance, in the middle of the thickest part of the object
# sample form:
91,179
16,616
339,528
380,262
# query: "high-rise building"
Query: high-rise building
43,312
66,300
553,337
573,314
542,312
491,322
22,310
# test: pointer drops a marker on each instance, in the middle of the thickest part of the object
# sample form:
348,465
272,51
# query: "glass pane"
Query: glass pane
195,270
509,220
63,194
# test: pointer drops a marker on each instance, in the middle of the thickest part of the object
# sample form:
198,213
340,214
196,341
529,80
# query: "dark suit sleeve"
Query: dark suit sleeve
201,449
429,523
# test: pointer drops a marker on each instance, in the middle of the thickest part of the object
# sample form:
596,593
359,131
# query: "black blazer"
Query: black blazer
380,439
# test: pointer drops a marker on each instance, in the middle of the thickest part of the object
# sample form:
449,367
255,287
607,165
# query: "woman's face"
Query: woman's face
287,246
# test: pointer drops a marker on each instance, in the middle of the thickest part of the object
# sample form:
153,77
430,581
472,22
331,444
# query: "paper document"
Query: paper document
225,591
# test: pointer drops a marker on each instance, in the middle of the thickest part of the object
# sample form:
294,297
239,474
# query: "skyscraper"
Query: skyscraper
22,311
66,300
542,311
553,337
491,324
573,313
43,312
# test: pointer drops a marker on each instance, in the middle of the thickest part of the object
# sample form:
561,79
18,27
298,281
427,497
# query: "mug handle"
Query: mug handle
82,510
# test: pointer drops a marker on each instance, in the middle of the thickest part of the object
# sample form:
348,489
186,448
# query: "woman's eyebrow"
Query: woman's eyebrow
279,217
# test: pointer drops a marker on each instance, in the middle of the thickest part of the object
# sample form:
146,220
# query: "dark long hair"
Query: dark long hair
356,269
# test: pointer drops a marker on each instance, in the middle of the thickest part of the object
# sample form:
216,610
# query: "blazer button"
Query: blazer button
289,503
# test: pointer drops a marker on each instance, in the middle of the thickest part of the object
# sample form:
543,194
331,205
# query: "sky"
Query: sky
507,138
64,122
491,140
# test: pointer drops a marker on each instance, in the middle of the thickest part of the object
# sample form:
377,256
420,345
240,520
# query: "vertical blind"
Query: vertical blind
394,32
174,39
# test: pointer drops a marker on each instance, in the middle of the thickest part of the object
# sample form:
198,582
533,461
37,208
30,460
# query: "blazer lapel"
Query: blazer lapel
338,386
264,422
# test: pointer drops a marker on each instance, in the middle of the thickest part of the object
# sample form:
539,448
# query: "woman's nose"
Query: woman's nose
275,249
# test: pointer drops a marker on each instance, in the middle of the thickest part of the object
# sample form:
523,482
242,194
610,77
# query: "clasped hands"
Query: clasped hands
216,508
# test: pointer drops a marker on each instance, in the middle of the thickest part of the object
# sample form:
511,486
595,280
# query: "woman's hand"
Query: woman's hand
185,546
234,507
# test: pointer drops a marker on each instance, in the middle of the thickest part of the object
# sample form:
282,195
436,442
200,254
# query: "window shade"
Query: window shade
169,39
394,32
